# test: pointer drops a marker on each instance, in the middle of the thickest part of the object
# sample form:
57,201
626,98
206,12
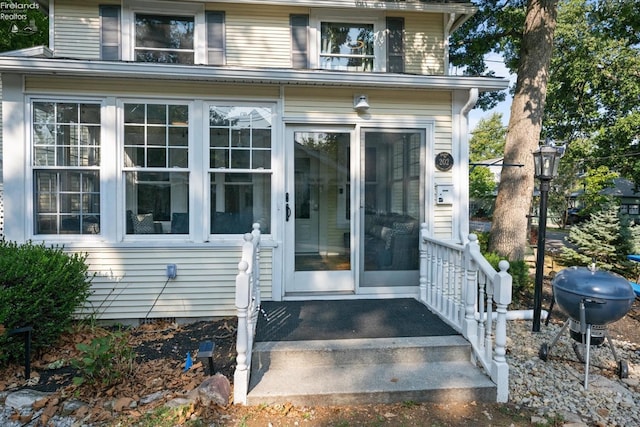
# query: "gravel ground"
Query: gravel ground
555,387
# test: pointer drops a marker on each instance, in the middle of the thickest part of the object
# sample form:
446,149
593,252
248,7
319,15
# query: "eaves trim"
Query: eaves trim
88,68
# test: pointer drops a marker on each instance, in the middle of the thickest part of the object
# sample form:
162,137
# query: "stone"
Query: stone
25,398
178,402
216,389
149,398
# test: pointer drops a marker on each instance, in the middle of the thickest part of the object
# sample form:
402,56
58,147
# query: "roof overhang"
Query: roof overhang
231,75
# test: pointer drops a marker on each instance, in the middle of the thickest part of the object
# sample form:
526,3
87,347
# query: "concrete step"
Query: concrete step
341,372
276,354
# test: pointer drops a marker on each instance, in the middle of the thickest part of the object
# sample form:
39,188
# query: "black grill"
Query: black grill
592,298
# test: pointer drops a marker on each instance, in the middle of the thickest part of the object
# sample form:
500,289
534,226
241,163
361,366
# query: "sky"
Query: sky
495,63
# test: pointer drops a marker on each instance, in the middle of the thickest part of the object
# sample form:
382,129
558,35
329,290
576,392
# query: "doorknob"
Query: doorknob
287,208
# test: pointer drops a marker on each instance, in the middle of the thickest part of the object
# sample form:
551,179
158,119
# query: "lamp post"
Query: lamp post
546,160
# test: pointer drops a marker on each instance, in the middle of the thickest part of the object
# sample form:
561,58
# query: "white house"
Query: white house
154,133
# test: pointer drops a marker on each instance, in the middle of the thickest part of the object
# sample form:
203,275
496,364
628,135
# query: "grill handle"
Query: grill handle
583,315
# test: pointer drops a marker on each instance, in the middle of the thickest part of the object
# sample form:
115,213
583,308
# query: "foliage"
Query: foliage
518,269
21,33
105,360
596,180
594,83
496,27
606,239
39,287
486,143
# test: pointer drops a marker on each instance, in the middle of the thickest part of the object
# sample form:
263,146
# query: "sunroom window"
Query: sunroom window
240,168
66,160
156,161
164,38
347,46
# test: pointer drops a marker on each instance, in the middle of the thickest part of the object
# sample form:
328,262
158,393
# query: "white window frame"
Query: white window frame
131,8
191,170
273,106
317,16
31,167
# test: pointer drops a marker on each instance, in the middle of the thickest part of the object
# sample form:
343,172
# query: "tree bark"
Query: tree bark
508,235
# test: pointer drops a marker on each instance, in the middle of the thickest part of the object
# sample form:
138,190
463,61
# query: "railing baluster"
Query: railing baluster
459,284
248,307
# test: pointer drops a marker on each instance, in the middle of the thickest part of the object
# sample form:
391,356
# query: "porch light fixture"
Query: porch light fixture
360,103
546,159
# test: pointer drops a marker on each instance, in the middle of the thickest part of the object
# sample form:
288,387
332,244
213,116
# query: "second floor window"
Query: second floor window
347,46
164,38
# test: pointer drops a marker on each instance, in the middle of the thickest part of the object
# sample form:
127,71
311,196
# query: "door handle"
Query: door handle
287,208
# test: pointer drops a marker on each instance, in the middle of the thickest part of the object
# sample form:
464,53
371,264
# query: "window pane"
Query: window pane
219,138
67,202
178,136
154,136
157,202
160,31
90,113
67,113
157,158
134,113
156,114
244,129
164,39
43,112
240,159
347,46
261,159
219,159
157,136
238,201
178,157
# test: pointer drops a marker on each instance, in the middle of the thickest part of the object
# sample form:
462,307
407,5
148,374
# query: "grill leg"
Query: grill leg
557,337
586,362
613,350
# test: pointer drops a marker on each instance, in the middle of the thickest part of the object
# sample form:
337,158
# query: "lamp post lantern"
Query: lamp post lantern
546,160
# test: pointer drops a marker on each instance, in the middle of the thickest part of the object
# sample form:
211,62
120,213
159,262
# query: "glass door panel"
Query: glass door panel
392,202
321,205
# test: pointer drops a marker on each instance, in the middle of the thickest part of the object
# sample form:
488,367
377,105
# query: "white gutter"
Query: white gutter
408,5
107,69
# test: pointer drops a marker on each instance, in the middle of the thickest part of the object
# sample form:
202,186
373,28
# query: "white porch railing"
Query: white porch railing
248,306
460,285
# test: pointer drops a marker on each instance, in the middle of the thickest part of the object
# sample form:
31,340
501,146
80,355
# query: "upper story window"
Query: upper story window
66,163
369,42
346,46
166,39
162,32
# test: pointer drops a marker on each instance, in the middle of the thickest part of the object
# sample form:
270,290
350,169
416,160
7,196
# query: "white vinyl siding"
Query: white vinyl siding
258,36
424,44
128,281
77,29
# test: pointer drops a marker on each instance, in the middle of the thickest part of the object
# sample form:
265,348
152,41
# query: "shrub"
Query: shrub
105,360
519,271
39,287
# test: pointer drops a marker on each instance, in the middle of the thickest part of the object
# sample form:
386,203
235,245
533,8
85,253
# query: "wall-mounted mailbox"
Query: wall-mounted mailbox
444,194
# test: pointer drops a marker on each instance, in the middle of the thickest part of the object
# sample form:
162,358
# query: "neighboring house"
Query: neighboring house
152,133
623,190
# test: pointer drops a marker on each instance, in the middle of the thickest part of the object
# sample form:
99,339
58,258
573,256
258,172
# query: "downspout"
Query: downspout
447,32
464,160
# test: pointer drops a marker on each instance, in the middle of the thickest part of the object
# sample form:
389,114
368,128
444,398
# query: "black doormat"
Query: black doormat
345,319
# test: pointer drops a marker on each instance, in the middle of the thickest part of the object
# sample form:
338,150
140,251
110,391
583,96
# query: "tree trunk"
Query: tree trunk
508,235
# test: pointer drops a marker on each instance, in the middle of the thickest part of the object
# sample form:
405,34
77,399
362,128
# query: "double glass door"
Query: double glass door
353,208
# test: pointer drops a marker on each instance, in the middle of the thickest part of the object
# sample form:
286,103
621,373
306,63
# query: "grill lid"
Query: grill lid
593,283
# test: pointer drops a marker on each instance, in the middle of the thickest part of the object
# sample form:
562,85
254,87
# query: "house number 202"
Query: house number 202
444,161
